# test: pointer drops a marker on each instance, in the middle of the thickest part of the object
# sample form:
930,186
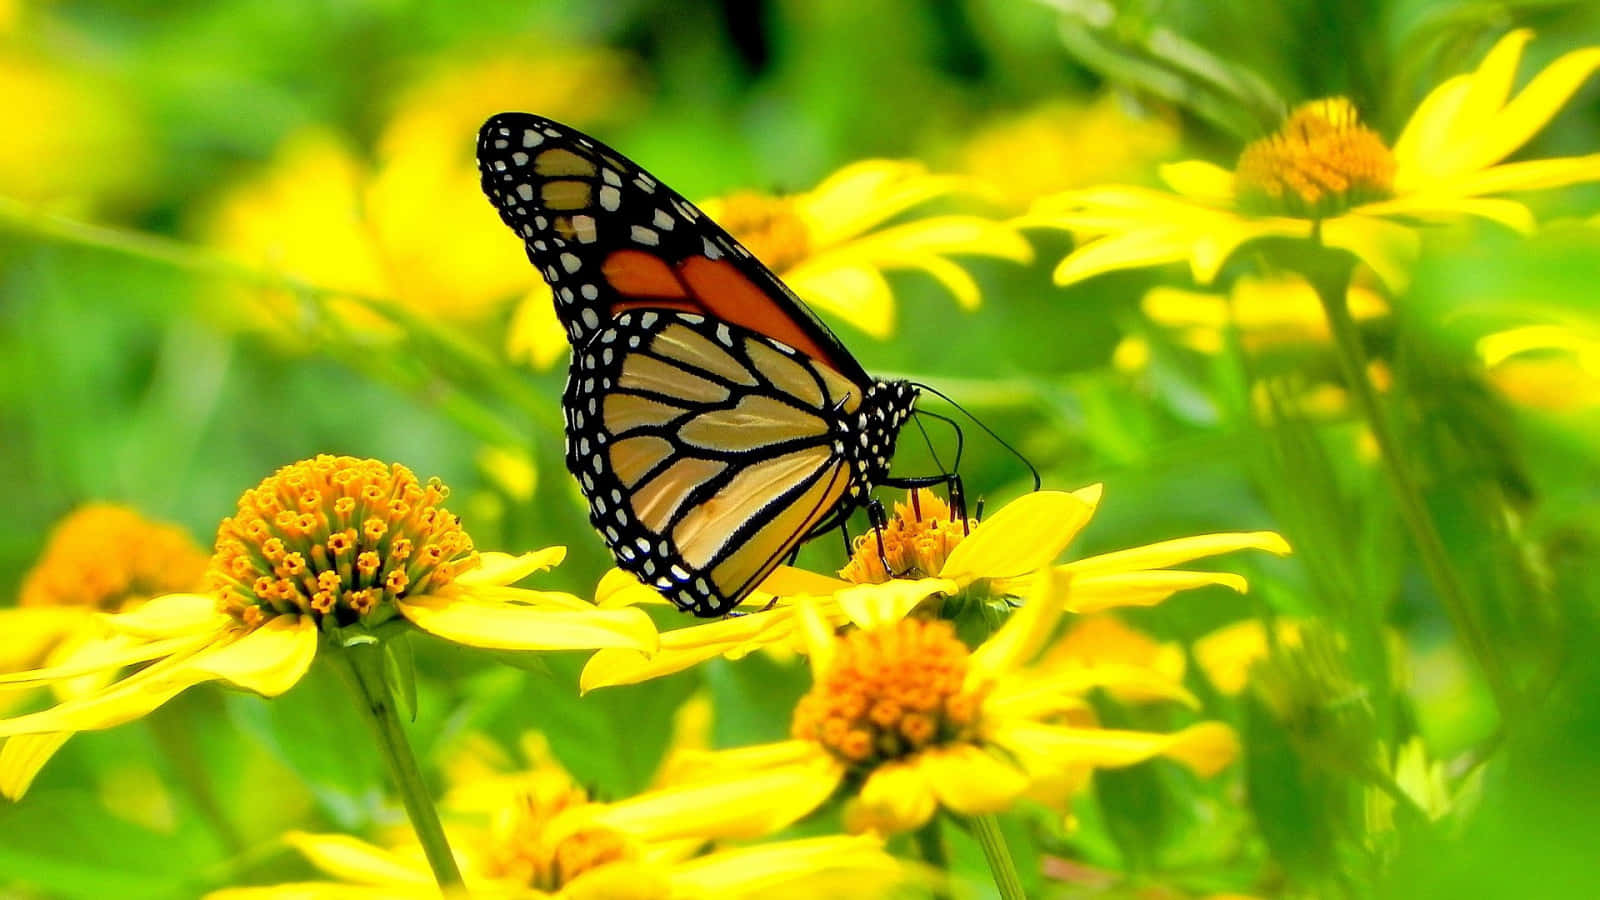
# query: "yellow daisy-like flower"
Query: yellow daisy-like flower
534,834
335,549
408,226
1273,312
831,245
1326,174
907,720
929,553
1548,367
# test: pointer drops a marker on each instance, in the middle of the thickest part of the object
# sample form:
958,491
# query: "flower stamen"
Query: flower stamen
915,543
1320,163
769,226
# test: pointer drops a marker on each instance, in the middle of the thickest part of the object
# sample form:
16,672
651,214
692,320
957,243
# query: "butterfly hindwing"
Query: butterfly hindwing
707,452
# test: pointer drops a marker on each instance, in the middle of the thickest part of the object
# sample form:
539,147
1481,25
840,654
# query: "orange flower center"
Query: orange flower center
527,852
1320,163
891,692
915,543
109,557
769,226
337,536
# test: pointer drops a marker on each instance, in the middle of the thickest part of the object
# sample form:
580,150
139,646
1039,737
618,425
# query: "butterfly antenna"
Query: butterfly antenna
928,442
961,439
1037,481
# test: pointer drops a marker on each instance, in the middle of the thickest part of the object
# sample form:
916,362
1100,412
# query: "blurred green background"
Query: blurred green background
189,187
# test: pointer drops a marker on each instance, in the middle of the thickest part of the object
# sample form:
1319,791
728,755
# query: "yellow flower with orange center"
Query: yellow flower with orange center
903,719
833,245
330,550
1325,175
933,555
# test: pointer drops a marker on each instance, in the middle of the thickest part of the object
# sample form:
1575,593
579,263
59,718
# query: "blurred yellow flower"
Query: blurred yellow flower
930,553
832,244
534,834
1268,312
1555,368
73,136
1227,654
100,558
1324,174
407,227
907,720
335,548
1067,144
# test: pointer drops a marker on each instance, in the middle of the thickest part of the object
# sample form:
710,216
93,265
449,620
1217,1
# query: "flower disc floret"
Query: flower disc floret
915,542
892,691
106,557
769,226
528,849
337,536
1320,163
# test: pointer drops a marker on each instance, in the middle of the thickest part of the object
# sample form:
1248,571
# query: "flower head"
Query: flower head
1326,174
333,546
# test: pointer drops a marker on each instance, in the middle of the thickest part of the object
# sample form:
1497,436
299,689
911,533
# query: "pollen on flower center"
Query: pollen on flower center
106,557
916,542
769,226
527,850
1320,163
891,692
337,536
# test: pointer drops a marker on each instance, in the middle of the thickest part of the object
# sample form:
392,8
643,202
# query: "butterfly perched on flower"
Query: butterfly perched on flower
713,422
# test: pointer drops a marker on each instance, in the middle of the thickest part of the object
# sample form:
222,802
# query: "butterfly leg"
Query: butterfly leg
880,521
952,484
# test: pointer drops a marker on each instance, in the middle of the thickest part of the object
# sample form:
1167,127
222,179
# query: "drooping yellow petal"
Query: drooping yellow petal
172,615
121,701
501,569
268,660
969,781
1096,593
352,860
1225,234
1023,635
22,757
871,605
1024,536
683,648
1388,248
1206,748
111,658
1198,180
30,632
733,803
1168,553
895,797
506,626
1135,249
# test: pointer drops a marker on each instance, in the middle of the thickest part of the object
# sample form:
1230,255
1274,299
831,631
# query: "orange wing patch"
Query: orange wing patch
636,273
731,297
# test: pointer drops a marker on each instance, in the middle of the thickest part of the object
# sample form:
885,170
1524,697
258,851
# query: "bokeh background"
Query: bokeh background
238,233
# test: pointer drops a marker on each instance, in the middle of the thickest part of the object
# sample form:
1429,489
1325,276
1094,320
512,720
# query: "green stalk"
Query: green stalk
363,660
987,830
1332,282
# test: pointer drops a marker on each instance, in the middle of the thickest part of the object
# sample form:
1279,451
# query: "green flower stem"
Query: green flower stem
364,662
1332,283
987,829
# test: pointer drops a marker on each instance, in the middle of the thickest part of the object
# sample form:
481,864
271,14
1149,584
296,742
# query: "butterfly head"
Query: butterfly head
874,428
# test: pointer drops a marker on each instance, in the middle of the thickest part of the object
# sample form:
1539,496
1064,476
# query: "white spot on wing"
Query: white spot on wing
645,236
610,198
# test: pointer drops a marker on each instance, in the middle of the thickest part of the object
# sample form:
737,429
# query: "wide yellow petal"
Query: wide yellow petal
872,605
787,581
856,293
1527,175
1096,593
504,568
508,626
732,804
31,631
1225,234
22,757
1499,132
863,194
618,588
969,781
352,860
1167,553
1027,534
1201,181
894,797
1023,635
268,660
1488,86
171,615
1388,248
1427,129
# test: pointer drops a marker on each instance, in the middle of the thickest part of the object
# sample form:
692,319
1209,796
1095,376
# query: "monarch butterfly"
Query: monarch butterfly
713,422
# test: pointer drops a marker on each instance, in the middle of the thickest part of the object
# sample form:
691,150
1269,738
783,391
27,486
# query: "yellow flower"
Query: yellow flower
932,554
832,244
408,227
907,720
1550,367
1268,312
334,549
1325,173
1063,145
534,834
1227,654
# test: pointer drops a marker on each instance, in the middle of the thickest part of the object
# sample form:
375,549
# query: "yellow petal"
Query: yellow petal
1168,553
504,568
1022,636
534,335
348,859
799,868
1227,654
817,633
971,782
102,657
23,756
683,648
327,890
1205,748
121,701
1450,208
622,879
1226,234
1500,132
1388,248
31,631
1201,181
1426,130
1490,85
855,293
1025,535
1141,248
859,196
895,797
1096,593
871,605
735,804
268,660
172,615
507,626
787,581
1528,175
618,588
